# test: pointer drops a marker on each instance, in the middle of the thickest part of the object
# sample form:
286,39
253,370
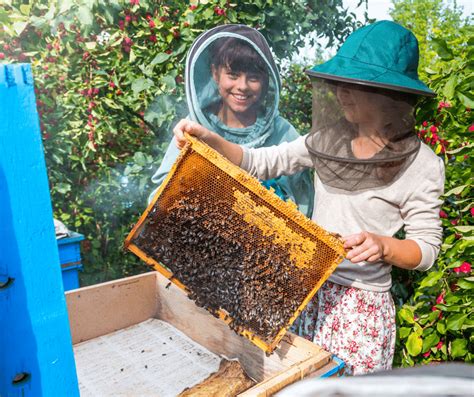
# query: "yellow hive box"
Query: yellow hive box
235,247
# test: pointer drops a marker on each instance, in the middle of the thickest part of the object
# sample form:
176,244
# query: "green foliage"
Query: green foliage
435,324
296,97
98,65
429,19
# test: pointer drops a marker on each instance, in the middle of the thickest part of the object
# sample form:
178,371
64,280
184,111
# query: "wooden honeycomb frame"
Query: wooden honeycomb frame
249,184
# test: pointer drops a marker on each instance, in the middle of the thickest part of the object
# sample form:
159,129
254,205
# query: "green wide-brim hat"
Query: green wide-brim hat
383,55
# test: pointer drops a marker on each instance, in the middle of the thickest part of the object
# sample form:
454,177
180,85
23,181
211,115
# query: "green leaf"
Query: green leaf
465,100
85,15
455,321
406,315
458,348
91,45
431,279
141,84
464,284
132,55
441,47
208,13
160,58
169,81
430,341
139,158
414,344
63,188
450,86
404,332
441,328
19,26
464,229
456,190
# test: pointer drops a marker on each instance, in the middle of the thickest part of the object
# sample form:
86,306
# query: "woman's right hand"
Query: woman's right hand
192,128
228,149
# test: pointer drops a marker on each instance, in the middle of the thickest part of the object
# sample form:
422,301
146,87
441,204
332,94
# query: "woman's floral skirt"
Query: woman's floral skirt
358,326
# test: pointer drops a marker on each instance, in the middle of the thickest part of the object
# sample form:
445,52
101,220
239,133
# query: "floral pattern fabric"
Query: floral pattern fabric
358,326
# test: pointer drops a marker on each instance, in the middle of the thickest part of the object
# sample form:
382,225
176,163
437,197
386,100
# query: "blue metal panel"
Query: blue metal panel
35,338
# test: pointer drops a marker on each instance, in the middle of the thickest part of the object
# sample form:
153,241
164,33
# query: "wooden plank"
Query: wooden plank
100,309
297,372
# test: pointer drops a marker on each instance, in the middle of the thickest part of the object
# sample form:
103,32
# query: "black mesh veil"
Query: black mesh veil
362,137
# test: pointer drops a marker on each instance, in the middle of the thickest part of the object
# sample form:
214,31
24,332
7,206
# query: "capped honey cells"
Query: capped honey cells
237,249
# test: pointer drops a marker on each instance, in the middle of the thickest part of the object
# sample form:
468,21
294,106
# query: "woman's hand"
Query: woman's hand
370,247
192,128
228,149
364,246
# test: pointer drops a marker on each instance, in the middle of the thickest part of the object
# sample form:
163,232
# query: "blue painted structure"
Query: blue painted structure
70,259
35,339
336,371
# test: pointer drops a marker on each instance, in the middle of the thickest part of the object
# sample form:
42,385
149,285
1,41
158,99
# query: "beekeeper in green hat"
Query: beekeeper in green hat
373,177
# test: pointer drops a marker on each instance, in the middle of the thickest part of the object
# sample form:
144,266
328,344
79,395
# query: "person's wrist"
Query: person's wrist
386,251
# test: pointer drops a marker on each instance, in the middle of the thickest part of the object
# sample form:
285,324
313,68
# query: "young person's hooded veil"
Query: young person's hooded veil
270,128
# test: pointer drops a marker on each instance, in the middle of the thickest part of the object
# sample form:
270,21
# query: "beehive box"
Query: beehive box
98,311
235,247
69,249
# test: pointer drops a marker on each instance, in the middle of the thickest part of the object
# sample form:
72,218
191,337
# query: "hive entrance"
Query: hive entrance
237,249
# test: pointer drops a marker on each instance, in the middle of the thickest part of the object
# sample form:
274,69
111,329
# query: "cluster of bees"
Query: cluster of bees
225,263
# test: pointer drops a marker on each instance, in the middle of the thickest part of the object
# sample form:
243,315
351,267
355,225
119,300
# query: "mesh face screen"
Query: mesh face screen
236,248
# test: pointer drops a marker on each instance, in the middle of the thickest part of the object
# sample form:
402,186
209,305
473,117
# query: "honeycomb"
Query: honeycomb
233,246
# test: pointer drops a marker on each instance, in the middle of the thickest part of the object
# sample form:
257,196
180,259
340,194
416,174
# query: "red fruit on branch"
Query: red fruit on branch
465,267
6,47
192,7
153,38
2,55
219,11
151,24
440,298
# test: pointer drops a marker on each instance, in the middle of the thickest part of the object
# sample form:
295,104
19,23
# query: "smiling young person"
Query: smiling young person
373,176
233,88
